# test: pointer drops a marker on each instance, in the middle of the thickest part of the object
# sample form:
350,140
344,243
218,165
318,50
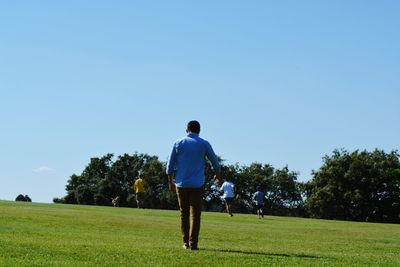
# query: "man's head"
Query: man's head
193,127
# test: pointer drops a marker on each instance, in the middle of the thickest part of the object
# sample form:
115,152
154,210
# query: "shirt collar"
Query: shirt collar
192,134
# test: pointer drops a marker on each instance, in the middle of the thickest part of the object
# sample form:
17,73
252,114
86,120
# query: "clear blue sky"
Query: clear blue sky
277,82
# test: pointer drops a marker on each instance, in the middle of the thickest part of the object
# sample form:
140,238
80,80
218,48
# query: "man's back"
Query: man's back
259,198
187,160
228,189
139,186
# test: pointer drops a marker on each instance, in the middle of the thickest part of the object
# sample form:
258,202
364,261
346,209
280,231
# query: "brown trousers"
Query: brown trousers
190,203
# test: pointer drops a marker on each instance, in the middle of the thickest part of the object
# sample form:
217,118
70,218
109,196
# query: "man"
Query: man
187,162
229,192
138,187
258,198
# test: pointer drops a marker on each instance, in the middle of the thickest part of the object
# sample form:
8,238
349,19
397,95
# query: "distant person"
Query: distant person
115,201
138,187
259,198
229,193
186,164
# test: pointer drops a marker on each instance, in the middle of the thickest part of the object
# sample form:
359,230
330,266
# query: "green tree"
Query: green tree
104,179
155,177
120,179
280,186
284,194
246,182
20,197
362,186
84,189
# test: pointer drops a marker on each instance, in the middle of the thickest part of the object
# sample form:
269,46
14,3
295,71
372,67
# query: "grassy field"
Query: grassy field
33,234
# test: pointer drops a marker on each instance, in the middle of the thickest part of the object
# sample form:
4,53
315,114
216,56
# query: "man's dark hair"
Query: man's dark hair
193,127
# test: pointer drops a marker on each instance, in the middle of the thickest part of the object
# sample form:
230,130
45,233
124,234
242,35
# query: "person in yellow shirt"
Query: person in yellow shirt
138,187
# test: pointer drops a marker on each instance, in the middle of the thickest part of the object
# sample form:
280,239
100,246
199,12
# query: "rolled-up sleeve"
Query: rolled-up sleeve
171,161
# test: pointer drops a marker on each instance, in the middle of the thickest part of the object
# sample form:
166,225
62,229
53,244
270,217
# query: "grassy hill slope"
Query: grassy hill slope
33,234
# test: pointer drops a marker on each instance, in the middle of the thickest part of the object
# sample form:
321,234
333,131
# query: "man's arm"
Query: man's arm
171,169
217,177
214,162
171,183
171,161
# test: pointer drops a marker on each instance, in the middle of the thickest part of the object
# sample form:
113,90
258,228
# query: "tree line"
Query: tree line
358,185
23,198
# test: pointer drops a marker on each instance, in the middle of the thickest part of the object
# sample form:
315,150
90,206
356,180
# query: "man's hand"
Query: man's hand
217,178
172,187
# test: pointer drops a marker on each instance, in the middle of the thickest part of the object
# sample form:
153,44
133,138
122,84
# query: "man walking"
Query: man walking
138,187
186,164
258,198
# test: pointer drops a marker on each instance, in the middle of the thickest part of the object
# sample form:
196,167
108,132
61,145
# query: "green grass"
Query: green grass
33,234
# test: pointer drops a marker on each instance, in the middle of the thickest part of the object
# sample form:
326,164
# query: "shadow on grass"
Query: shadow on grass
263,253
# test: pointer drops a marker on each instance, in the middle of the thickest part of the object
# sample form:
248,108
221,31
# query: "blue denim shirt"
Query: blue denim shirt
187,160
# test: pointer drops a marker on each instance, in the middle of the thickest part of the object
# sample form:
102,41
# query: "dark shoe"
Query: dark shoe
231,214
194,248
185,246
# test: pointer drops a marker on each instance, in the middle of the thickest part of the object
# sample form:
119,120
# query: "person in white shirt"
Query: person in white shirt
229,192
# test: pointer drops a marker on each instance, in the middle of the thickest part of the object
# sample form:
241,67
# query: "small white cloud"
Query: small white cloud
43,169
